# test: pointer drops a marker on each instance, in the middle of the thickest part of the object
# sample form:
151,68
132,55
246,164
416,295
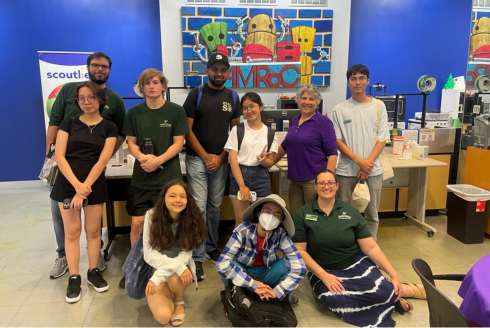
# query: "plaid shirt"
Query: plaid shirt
242,248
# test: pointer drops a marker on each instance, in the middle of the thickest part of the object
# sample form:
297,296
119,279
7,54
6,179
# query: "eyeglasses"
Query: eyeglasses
277,215
90,99
360,78
96,66
216,70
322,184
251,107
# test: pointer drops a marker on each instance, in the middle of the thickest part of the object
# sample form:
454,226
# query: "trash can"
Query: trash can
467,213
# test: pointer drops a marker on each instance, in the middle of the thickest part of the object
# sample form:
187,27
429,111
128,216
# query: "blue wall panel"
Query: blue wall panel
31,25
392,40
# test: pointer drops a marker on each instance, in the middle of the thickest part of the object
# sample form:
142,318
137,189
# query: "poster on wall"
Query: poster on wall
479,53
267,48
58,68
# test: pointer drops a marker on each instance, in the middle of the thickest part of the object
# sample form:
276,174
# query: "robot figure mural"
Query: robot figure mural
273,52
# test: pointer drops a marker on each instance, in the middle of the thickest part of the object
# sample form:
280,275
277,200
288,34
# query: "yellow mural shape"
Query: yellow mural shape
305,69
480,36
305,36
262,30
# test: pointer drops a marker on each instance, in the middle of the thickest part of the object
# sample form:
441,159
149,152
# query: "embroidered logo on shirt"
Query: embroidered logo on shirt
165,124
344,216
106,107
311,217
227,107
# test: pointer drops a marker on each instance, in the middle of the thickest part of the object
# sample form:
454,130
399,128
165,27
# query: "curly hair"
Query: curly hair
312,89
191,231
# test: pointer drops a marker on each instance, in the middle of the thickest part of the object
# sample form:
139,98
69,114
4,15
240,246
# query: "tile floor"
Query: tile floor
29,298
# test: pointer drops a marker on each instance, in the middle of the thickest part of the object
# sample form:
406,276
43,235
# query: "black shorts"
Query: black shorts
141,200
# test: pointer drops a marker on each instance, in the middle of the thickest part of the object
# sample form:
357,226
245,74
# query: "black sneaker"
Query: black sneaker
293,300
74,290
213,256
200,272
122,282
94,277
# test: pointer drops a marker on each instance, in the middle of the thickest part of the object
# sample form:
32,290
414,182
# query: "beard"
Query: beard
217,84
97,81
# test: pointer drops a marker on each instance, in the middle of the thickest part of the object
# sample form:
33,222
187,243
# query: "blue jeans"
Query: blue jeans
271,277
207,188
59,228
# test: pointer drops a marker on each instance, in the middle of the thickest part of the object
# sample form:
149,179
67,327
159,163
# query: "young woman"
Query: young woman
341,257
84,145
250,161
171,231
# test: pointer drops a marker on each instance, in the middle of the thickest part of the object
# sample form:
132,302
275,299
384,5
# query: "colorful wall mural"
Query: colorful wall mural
479,53
267,48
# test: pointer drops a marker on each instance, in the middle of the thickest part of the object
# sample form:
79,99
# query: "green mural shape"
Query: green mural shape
214,34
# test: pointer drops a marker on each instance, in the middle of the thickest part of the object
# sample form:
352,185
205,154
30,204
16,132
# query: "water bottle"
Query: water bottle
148,147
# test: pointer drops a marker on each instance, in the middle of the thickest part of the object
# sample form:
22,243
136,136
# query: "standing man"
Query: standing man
356,128
211,110
99,67
164,125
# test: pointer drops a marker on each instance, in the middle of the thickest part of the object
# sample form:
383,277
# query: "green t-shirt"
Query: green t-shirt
331,239
64,106
161,125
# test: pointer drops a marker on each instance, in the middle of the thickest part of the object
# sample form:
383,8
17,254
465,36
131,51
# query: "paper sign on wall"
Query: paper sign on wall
410,135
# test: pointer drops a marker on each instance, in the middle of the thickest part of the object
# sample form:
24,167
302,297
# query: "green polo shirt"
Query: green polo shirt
332,238
64,106
161,125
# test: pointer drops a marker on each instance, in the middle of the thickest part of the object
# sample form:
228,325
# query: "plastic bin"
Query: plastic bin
467,207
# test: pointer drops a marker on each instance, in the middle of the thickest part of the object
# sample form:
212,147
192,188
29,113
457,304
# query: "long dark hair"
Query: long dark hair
192,230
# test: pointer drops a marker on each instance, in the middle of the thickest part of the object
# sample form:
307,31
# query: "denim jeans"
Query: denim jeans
271,277
207,188
59,228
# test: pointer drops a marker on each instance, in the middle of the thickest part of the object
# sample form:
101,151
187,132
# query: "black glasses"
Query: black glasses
90,99
216,70
96,66
322,184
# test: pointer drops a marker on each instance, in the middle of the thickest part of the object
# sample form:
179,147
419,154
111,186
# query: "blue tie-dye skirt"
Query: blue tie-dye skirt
368,299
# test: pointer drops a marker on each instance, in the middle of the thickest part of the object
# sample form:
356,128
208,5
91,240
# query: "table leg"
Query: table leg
417,192
109,206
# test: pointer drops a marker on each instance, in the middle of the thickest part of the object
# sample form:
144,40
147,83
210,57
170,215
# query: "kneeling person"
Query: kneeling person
249,258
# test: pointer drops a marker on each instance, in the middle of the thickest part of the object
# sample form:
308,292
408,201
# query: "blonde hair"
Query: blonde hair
149,74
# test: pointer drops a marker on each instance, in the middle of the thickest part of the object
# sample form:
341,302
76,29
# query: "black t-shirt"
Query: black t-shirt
83,144
212,118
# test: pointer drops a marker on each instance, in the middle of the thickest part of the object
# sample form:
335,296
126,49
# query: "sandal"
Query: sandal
407,306
418,290
179,318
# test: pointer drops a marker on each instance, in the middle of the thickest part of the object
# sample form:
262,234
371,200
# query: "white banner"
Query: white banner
58,68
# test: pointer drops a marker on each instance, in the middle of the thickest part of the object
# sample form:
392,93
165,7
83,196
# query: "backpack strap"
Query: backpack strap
270,138
240,132
199,95
234,96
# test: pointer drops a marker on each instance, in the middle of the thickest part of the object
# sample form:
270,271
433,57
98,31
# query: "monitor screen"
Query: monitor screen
275,118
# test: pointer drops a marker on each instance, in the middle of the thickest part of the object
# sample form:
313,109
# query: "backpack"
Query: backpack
244,308
200,89
240,132
137,271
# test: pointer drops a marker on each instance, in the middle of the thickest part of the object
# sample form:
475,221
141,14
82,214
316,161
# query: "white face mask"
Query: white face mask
268,221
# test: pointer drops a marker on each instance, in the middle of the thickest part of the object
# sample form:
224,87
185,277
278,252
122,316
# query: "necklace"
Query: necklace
91,128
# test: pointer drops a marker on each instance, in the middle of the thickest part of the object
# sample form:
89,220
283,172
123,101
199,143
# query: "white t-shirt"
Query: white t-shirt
356,125
252,144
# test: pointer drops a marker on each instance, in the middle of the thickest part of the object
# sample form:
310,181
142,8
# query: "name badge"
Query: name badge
311,217
347,121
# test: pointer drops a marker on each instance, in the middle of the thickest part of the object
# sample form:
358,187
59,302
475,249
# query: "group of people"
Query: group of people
324,237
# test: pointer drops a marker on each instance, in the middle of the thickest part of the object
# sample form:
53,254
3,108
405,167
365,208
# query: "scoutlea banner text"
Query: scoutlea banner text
58,68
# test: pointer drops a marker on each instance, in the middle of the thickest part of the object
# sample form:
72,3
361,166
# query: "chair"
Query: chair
442,311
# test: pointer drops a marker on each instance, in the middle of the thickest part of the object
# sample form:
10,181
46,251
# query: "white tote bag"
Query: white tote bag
383,159
360,196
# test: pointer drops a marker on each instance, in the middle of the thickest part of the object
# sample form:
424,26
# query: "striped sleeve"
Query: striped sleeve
226,265
295,265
